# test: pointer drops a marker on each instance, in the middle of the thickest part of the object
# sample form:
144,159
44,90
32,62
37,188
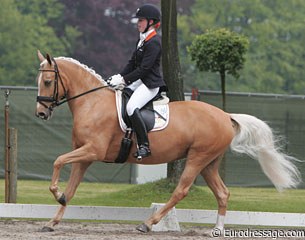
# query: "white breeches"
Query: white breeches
140,96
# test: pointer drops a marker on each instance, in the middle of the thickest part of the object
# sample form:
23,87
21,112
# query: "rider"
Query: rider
142,73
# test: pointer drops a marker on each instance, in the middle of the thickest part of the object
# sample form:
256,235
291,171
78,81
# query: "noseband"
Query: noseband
54,100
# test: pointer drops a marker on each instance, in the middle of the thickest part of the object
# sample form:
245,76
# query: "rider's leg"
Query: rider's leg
142,137
139,98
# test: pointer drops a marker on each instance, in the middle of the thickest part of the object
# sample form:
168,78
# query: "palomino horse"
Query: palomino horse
196,130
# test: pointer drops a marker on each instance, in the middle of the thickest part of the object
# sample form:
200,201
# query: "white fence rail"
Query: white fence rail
8,210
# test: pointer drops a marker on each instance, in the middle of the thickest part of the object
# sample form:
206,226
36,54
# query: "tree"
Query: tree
275,59
24,29
171,70
220,51
223,52
108,34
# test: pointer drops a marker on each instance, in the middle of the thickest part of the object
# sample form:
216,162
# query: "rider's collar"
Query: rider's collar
144,35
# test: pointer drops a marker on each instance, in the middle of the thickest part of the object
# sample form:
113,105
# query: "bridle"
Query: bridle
54,99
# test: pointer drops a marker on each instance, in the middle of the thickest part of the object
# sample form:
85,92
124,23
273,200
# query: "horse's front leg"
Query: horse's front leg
77,172
80,155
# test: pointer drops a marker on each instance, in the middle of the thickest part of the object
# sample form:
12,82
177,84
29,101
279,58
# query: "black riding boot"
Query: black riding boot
139,127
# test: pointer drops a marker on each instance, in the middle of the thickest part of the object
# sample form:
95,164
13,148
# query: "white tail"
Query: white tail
255,138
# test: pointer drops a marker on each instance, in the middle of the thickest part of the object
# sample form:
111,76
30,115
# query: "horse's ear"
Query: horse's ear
49,59
40,56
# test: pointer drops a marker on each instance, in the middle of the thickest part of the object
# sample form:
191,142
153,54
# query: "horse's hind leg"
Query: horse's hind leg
187,178
77,172
215,183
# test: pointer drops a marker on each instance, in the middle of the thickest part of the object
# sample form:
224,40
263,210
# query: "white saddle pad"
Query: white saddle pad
159,106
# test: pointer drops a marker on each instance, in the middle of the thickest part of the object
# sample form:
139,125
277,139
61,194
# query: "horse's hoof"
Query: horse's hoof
46,229
62,200
143,228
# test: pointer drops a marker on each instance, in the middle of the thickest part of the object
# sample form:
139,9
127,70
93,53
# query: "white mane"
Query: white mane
90,70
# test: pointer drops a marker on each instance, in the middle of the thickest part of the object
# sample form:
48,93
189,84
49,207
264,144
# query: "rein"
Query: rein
54,99
64,100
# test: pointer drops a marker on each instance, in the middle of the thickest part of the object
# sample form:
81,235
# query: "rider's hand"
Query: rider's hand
116,81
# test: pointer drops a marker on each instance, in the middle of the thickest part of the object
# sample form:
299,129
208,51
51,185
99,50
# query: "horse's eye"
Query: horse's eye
47,83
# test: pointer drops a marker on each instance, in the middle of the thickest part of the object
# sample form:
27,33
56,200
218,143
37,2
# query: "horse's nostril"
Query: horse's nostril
41,115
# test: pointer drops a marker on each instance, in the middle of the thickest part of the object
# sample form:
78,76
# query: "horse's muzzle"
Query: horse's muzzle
44,114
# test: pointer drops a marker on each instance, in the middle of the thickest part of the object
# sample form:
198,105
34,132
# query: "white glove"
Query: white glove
116,82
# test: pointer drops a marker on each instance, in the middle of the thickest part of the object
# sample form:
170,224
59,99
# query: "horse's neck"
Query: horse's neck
78,80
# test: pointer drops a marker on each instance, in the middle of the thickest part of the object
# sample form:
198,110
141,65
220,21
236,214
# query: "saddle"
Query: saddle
155,115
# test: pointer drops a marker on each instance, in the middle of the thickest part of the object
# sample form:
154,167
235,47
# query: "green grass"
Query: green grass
103,194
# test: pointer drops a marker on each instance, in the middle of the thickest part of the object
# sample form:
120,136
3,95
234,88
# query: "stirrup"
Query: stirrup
143,151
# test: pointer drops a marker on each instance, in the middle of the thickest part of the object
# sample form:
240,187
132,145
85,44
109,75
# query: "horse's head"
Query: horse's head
50,87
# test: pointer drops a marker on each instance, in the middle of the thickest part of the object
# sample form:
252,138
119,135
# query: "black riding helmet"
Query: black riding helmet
150,12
